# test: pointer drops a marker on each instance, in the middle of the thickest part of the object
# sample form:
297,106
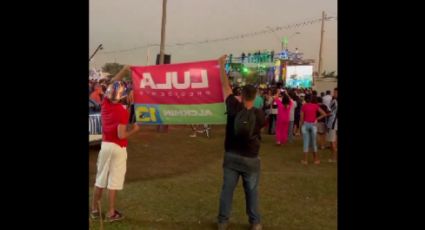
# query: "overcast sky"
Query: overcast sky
125,24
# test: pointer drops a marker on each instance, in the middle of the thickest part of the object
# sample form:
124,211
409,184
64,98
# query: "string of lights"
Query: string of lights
240,36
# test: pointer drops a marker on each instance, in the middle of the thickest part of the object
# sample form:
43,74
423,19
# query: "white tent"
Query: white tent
97,74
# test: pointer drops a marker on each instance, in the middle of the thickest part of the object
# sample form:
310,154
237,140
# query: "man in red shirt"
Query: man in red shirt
97,94
112,158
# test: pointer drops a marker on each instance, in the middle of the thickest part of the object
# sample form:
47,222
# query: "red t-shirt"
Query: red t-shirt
95,96
112,115
310,110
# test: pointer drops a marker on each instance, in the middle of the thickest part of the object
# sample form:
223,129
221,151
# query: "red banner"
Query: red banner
188,93
186,83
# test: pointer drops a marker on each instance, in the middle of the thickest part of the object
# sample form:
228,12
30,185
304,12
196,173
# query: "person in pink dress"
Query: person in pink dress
283,114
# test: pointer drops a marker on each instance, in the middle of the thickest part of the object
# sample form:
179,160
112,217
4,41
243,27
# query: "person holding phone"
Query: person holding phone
112,158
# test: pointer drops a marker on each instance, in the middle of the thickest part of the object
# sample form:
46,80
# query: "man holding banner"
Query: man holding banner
112,158
192,93
242,144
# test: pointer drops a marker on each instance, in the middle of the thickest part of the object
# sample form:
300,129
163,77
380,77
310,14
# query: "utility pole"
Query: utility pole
148,55
322,32
164,14
163,128
97,49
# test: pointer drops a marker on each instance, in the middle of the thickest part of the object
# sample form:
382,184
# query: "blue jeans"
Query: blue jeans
250,185
309,131
272,124
291,131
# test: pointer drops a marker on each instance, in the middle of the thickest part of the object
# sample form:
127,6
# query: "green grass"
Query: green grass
174,181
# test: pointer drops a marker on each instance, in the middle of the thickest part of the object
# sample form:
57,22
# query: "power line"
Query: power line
240,36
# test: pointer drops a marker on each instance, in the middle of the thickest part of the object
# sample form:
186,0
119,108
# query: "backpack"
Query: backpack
245,124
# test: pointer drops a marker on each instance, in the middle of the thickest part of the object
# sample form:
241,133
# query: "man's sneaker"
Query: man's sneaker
117,216
222,226
255,227
94,214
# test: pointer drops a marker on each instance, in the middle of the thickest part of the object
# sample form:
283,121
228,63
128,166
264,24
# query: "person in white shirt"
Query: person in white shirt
291,95
332,126
327,99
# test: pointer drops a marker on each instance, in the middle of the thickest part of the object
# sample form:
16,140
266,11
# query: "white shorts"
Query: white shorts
111,166
331,137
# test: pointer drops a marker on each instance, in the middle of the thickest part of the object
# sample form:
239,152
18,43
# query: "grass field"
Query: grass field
174,181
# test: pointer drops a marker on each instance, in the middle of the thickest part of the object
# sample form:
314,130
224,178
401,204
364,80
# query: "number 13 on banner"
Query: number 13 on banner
147,114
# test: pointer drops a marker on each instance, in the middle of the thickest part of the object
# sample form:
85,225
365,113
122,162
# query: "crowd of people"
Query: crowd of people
289,113
295,112
283,112
97,89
